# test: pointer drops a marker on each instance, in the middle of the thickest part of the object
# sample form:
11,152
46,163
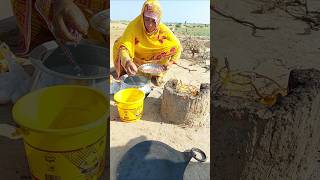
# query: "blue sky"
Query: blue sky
192,11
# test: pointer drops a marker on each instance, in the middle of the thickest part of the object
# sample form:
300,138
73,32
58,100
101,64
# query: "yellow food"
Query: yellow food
187,89
152,71
3,62
4,48
3,67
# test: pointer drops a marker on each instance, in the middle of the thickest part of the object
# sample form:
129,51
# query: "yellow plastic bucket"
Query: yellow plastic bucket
64,131
130,104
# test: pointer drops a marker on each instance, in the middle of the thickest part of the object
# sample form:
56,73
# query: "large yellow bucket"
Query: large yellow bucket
64,131
130,104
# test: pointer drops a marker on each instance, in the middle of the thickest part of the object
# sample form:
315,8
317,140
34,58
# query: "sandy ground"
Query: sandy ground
263,54
125,135
274,54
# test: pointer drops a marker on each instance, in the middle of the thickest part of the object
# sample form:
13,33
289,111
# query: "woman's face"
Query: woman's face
150,24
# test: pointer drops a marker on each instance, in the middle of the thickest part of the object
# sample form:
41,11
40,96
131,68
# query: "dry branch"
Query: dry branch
243,22
186,68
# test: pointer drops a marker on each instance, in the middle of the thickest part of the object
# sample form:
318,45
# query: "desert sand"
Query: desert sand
150,127
276,52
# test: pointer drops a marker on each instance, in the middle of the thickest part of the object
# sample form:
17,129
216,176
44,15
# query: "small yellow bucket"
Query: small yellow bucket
64,131
130,104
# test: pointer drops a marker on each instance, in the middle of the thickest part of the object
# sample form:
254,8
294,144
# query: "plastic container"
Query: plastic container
130,103
64,132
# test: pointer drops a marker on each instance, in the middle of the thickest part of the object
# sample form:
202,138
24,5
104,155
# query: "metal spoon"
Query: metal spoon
70,58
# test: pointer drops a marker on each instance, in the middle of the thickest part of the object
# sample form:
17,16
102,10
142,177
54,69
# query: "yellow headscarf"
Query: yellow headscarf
146,47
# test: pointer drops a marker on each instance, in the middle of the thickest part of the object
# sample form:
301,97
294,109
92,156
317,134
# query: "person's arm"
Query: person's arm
177,50
127,62
176,57
124,56
126,50
64,19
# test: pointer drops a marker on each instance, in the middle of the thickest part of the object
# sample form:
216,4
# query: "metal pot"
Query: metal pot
101,21
139,82
52,67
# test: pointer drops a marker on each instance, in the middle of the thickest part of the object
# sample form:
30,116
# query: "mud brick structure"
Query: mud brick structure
183,108
253,142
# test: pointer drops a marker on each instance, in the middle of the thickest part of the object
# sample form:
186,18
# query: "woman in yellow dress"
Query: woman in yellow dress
145,40
44,20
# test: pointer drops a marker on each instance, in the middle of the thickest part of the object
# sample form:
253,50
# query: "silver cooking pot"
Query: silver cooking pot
139,82
52,67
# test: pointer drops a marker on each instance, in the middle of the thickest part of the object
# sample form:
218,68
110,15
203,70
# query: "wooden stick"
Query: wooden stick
186,68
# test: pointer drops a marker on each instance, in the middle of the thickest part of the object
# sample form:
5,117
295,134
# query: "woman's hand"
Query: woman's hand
169,65
131,68
69,22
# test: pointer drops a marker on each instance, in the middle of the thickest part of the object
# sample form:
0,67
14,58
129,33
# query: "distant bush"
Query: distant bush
179,25
193,30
